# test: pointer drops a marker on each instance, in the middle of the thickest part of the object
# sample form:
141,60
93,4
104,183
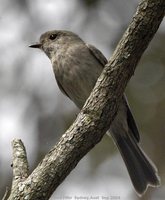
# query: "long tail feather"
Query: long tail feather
141,169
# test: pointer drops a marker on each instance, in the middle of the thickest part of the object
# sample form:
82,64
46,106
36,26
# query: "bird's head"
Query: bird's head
52,41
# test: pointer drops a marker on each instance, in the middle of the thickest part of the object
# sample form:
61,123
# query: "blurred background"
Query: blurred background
32,107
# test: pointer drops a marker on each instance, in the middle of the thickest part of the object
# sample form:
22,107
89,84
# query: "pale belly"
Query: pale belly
77,83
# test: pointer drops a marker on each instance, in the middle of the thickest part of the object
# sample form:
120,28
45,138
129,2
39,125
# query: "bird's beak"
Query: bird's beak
37,45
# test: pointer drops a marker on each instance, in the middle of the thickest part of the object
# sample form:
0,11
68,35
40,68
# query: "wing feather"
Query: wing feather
97,54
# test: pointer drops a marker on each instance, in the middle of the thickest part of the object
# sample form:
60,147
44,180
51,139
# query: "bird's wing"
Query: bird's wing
97,54
61,88
131,122
130,119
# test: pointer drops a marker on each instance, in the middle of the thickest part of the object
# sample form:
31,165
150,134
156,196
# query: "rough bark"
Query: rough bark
96,115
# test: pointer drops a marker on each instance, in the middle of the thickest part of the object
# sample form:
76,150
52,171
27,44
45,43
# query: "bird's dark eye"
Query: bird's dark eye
52,36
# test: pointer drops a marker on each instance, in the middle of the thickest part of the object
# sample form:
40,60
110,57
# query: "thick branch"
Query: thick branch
100,108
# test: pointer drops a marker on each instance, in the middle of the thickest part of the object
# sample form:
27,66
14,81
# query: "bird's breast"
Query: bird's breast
77,74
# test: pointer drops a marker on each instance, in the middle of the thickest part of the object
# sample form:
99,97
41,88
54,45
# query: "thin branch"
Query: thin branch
20,162
100,108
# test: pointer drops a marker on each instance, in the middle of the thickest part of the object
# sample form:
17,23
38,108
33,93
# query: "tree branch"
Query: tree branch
98,112
20,163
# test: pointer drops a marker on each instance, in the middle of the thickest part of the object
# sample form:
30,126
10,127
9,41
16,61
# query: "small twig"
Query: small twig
20,162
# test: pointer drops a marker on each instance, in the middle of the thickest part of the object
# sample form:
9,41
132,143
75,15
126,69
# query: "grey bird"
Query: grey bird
77,66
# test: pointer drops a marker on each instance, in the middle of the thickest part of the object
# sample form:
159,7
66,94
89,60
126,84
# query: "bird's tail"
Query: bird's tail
141,169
